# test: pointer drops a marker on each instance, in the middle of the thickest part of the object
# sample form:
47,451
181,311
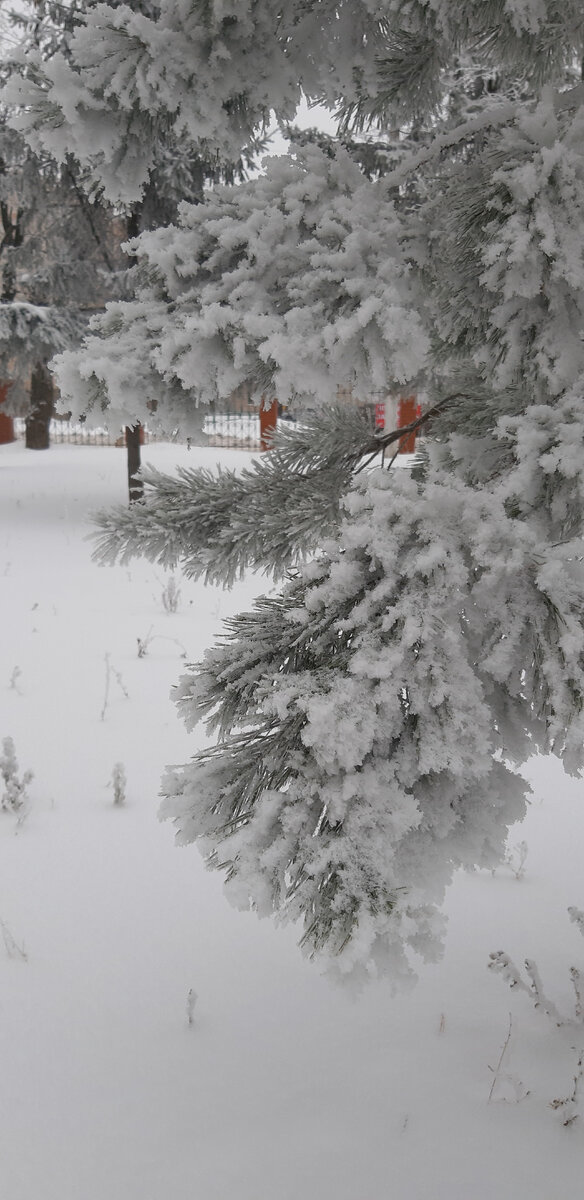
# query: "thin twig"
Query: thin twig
539,997
109,671
570,1103
497,1070
11,946
191,1003
382,440
576,977
143,643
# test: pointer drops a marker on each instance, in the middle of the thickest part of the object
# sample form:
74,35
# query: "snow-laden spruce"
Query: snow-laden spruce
371,718
312,276
305,256
213,72
32,333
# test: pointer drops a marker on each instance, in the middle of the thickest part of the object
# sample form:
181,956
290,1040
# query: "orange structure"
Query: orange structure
268,420
408,410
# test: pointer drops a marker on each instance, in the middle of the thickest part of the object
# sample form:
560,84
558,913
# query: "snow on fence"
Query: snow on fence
236,430
76,434
233,430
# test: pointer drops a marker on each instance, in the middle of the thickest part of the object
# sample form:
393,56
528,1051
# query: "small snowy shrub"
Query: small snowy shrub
191,1005
14,795
118,783
570,1026
14,677
515,859
143,644
171,595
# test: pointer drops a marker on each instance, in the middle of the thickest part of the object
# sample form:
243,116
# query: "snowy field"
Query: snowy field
281,1087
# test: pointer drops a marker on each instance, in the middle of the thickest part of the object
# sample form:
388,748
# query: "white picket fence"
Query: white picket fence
233,430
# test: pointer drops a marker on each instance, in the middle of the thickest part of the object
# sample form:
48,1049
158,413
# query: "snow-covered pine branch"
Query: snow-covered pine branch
306,690
356,739
355,765
269,515
303,256
312,276
213,73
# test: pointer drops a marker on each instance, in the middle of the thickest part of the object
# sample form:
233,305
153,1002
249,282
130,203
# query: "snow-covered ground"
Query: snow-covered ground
282,1087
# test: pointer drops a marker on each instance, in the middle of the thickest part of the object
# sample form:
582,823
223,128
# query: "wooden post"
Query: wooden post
134,439
268,421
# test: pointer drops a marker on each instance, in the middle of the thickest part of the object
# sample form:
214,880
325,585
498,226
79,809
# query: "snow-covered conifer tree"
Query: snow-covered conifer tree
428,635
179,170
59,255
49,276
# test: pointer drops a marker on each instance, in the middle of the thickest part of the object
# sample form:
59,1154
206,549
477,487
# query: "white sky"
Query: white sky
307,117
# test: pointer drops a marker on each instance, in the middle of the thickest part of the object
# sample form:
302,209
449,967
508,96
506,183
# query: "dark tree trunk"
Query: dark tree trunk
41,408
133,433
6,423
135,486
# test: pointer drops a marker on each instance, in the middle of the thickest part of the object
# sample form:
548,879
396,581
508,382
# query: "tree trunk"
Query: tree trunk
135,486
41,408
6,423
